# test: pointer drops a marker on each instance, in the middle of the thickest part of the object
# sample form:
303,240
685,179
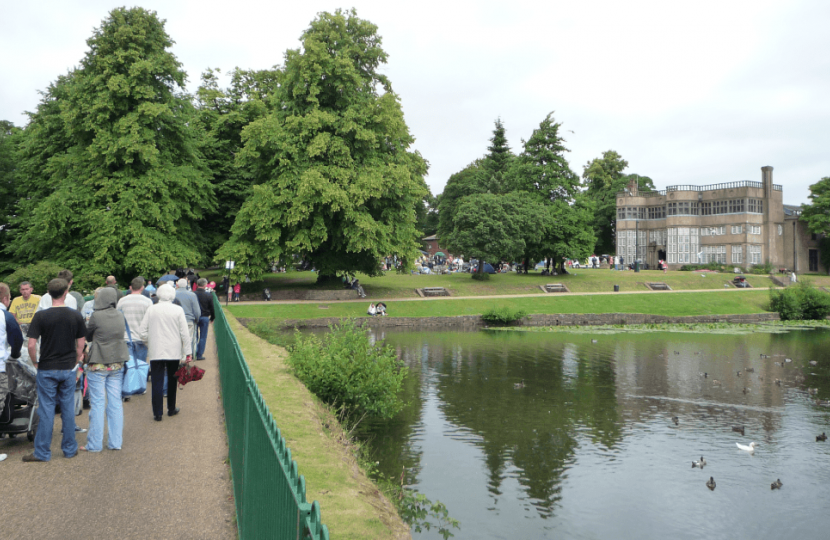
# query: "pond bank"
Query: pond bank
561,319
350,503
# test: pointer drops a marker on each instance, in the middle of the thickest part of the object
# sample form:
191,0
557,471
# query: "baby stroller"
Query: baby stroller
18,414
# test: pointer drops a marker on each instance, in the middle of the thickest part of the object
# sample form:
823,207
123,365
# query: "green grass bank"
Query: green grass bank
351,505
671,304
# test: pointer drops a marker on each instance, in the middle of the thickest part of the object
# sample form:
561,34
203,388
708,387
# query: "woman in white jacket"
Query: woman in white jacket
164,330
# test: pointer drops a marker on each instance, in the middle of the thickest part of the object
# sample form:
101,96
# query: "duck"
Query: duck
764,355
812,391
777,484
700,464
675,419
745,448
715,381
711,483
738,429
519,385
788,360
823,402
778,382
778,364
738,373
813,363
747,390
750,370
821,437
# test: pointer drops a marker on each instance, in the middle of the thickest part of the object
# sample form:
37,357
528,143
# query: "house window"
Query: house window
706,209
755,254
682,244
780,230
737,229
717,231
755,206
754,229
715,254
736,206
737,254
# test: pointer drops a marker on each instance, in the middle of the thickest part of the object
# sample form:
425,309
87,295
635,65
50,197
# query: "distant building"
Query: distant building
738,224
432,247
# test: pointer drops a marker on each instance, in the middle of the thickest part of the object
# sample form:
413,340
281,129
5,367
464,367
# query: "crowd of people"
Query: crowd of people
161,325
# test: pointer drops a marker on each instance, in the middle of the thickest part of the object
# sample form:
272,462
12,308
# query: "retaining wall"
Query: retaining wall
564,319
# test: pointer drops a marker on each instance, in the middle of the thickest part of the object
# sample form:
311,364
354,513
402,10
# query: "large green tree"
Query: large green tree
222,114
335,179
542,171
817,216
492,227
8,195
109,168
604,178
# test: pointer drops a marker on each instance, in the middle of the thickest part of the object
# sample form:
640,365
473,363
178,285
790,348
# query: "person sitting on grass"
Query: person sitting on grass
381,309
372,310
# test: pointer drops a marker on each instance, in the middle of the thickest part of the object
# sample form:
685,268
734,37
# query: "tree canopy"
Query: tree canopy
8,167
334,178
817,216
110,177
604,178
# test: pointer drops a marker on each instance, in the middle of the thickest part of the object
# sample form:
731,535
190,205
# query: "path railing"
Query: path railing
269,492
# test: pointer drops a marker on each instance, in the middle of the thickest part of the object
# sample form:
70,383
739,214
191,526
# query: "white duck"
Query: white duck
745,448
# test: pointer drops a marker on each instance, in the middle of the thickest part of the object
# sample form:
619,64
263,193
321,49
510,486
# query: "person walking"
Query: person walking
24,306
62,333
206,306
11,342
236,290
107,355
133,307
164,329
192,312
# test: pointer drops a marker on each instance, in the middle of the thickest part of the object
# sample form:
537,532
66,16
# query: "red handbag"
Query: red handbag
189,372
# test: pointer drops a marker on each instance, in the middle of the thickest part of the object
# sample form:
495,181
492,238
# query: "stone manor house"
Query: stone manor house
738,224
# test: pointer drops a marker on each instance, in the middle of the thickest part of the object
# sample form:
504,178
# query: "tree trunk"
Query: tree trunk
328,279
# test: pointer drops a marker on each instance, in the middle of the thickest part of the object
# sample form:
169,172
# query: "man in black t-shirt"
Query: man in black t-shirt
61,331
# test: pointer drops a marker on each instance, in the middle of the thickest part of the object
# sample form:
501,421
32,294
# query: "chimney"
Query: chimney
766,178
633,185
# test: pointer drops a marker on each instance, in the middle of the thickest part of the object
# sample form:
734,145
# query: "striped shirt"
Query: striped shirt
134,306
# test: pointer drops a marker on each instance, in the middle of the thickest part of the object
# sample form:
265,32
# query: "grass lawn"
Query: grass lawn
393,285
669,304
350,504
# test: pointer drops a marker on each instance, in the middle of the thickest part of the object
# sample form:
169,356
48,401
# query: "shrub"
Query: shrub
800,301
503,315
346,371
762,269
38,274
708,266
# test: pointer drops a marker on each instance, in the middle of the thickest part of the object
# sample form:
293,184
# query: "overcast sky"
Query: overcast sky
697,93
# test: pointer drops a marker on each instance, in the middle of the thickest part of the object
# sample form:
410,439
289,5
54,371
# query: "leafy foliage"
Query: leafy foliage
604,178
334,179
419,512
345,370
8,166
38,274
110,177
801,301
817,213
503,315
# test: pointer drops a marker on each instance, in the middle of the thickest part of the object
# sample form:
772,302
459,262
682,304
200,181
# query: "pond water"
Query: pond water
589,448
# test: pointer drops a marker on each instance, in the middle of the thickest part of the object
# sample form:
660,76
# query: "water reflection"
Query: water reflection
591,434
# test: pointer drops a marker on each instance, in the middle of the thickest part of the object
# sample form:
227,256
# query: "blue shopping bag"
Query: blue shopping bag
135,373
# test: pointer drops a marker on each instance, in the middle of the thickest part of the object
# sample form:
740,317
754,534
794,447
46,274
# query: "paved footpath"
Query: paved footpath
169,481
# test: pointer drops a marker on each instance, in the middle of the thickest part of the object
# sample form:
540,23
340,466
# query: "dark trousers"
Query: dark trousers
157,369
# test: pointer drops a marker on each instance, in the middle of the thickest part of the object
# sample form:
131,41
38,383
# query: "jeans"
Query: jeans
55,387
158,368
204,323
105,393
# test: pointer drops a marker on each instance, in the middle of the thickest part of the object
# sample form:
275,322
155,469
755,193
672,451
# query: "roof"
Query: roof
429,238
792,210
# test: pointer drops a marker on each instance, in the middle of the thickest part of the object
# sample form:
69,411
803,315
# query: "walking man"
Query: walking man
71,300
11,341
206,317
134,306
62,333
192,311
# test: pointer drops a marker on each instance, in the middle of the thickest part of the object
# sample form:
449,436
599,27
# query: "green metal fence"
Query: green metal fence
269,492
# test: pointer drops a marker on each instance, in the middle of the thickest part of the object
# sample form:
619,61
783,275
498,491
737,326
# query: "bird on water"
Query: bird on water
711,483
745,448
777,484
519,385
700,464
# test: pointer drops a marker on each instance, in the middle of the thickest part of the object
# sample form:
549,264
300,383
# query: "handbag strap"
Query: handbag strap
129,334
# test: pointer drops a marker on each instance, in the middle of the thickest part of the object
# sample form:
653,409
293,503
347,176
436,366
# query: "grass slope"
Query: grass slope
393,285
350,504
669,304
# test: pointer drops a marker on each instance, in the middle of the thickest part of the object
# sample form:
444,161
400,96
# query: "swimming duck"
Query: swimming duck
675,419
821,437
519,385
813,363
788,360
764,355
823,402
750,370
778,382
738,429
700,464
715,381
777,484
711,484
745,448
746,390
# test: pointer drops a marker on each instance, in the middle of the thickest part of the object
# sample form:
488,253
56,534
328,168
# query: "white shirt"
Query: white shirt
46,302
